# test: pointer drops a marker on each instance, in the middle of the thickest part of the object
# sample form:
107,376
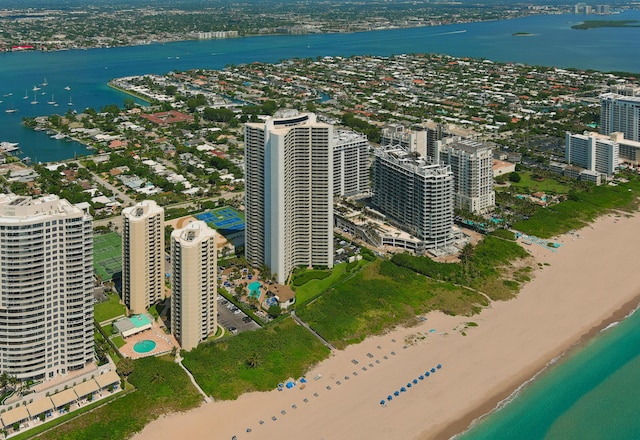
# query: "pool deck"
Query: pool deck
164,342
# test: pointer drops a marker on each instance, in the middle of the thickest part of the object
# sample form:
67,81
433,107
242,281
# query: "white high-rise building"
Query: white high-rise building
620,113
594,152
415,194
350,163
46,287
142,255
194,284
472,166
289,192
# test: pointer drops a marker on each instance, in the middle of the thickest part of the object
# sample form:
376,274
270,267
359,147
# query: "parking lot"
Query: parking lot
232,318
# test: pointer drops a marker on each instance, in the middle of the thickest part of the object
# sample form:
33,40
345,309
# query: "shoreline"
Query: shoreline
504,396
482,365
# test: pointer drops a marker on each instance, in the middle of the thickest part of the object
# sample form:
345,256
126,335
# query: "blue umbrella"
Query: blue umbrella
389,397
421,377
415,381
439,366
396,393
433,370
427,374
382,402
403,389
409,385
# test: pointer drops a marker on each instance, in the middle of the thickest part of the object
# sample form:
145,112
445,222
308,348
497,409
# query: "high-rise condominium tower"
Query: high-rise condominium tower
415,194
620,113
193,297
142,255
472,166
46,287
594,152
350,163
289,192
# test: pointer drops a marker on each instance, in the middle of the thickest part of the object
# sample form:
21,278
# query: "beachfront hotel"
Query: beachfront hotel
593,152
620,113
46,286
142,255
415,194
350,163
471,163
194,284
289,192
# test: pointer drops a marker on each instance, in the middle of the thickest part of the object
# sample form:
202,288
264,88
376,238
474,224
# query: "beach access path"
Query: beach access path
573,294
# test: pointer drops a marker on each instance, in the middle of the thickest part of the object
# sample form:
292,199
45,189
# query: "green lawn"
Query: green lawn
528,185
315,287
109,309
162,387
254,361
118,341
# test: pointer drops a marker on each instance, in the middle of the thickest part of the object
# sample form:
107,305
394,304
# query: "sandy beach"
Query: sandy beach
585,286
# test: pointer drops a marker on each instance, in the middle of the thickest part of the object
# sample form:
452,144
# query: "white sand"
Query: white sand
586,283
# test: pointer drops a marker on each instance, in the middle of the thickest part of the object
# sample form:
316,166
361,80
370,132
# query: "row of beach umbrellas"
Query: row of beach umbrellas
404,389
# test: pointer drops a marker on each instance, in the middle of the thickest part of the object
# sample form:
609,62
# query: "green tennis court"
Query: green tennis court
107,255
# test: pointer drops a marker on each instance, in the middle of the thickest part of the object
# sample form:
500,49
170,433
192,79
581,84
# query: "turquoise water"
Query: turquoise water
590,394
144,346
86,72
254,289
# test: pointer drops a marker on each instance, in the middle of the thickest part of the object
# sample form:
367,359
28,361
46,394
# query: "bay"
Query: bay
86,72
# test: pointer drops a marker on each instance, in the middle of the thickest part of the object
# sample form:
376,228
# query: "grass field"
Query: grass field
529,185
315,287
109,309
107,255
254,361
161,387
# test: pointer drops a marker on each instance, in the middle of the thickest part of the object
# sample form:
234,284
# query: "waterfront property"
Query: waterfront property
289,192
46,287
194,294
415,195
142,256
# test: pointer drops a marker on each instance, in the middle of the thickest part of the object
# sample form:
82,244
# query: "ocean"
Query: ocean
589,394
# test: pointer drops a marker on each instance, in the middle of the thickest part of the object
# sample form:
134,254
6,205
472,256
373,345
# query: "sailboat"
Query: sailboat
26,95
10,109
35,100
52,102
36,88
70,102
45,83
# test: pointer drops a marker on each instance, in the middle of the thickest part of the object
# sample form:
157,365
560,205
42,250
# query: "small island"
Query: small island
592,24
522,34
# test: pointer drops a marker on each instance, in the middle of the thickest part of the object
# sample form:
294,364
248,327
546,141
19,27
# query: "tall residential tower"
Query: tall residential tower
194,283
46,287
289,192
142,255
620,113
415,194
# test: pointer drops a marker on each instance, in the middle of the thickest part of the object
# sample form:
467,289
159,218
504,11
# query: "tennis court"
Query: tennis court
225,219
107,255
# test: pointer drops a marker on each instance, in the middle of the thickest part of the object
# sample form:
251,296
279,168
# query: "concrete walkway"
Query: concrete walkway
313,332
207,399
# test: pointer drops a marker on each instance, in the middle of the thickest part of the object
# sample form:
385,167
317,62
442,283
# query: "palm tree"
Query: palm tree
253,360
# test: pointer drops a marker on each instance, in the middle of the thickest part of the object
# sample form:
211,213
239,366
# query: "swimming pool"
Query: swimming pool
144,346
254,289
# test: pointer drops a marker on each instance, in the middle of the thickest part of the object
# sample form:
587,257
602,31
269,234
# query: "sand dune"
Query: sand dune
585,286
